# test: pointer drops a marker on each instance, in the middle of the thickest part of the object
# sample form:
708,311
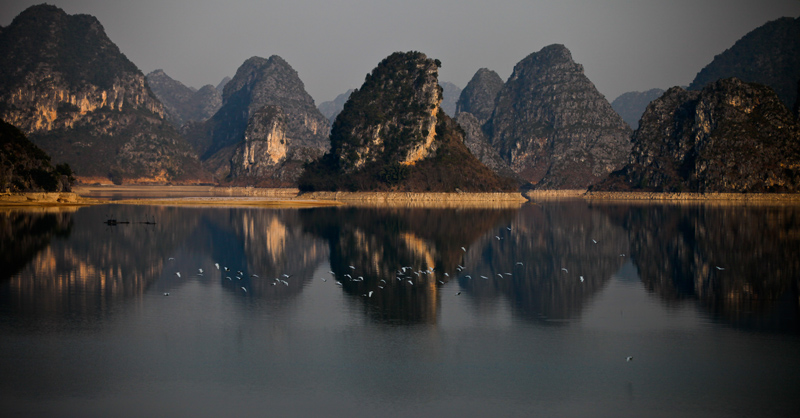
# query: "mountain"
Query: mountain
479,95
222,83
552,125
632,104
769,55
479,146
263,103
332,108
393,135
731,136
450,94
69,88
24,167
182,103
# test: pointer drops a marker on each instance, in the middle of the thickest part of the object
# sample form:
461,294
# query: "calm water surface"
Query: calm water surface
535,316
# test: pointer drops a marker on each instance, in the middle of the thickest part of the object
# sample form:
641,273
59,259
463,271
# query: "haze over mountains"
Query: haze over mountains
69,88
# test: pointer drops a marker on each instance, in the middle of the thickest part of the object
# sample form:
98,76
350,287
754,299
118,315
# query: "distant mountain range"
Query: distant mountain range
68,88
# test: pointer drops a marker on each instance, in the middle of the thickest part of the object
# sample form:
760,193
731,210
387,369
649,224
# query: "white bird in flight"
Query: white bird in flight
178,274
565,269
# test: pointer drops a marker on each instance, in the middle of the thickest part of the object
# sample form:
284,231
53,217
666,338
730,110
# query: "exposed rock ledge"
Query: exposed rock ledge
657,196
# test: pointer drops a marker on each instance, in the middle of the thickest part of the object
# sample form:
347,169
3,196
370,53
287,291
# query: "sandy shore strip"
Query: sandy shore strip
244,201
46,199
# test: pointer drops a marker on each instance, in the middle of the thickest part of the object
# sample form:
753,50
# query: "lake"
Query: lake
561,308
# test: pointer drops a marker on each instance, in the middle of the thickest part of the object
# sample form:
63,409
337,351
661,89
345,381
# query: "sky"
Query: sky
624,45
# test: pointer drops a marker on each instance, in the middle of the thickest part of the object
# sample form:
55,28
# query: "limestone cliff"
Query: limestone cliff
71,90
392,135
769,55
631,105
552,125
730,137
479,146
479,95
258,83
182,103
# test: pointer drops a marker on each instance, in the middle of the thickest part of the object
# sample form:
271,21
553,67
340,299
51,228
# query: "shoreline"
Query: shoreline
88,195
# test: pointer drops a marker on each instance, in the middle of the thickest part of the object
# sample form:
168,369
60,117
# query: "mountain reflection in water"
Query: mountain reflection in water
547,261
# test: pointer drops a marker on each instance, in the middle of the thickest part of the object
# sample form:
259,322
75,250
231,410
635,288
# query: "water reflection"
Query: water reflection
25,232
739,262
396,259
548,262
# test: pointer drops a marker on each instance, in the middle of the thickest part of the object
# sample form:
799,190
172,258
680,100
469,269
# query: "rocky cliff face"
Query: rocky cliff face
768,55
479,95
631,105
68,87
332,108
479,146
260,83
24,167
392,135
730,137
552,125
182,103
450,95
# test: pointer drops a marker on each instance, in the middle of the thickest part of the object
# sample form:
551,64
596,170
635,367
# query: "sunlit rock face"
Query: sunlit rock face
182,103
552,125
397,116
261,83
479,95
392,135
265,157
68,87
730,137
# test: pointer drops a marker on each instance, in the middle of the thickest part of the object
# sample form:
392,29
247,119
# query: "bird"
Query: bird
508,228
171,258
447,275
498,237
581,279
468,277
331,272
216,265
226,269
285,282
720,268
254,275
380,287
507,274
458,293
630,358
228,277
463,249
201,271
370,293
166,293
339,283
484,277
178,274
622,255
594,241
412,283
565,269
519,263
501,276
245,289
352,267
441,282
323,279
286,275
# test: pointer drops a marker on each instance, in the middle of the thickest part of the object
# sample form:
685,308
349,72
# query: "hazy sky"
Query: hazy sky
624,45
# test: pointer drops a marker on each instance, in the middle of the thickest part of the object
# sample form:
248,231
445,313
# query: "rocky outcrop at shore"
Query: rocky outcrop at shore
393,135
730,137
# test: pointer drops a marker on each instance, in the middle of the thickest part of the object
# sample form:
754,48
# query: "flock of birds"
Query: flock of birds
404,274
